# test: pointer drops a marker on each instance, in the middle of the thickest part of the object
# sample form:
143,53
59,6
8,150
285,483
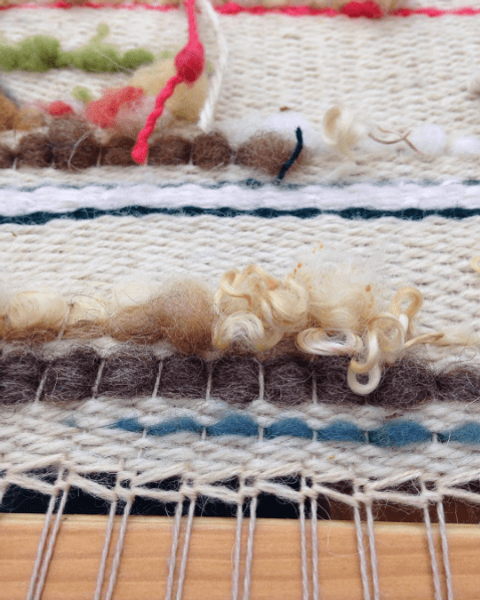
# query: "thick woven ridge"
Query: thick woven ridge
130,372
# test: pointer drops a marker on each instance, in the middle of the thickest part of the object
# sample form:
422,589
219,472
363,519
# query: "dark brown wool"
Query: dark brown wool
235,379
72,377
288,380
403,385
183,377
330,374
34,151
20,375
128,373
7,156
118,152
266,152
73,144
460,384
170,150
211,150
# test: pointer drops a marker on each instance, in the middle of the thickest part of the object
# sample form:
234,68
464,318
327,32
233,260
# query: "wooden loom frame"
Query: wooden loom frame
403,559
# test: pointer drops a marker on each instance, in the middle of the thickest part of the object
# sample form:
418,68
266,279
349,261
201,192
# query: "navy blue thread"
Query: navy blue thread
365,214
295,154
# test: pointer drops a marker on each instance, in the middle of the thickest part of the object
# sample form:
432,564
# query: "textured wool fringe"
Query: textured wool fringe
323,312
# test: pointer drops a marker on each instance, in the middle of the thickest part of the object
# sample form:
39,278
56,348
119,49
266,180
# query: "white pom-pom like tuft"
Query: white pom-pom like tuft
239,131
429,139
469,145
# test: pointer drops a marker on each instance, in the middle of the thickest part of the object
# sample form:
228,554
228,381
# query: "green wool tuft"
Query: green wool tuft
38,54
83,94
9,58
132,59
41,53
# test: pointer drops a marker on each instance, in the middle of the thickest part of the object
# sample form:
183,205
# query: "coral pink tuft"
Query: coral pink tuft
104,112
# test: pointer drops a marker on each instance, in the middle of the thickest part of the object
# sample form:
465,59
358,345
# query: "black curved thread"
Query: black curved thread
295,154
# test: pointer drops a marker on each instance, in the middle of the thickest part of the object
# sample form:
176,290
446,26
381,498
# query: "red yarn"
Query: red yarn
231,8
60,109
189,64
104,112
368,9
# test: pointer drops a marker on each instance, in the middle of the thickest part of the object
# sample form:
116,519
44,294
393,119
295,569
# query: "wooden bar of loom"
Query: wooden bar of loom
404,561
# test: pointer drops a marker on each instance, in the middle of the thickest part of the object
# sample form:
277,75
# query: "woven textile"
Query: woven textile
407,214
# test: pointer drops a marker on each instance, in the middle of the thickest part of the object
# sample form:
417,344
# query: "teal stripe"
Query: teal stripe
396,434
362,214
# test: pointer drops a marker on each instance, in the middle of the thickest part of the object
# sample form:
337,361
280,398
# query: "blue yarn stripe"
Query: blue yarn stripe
396,434
363,214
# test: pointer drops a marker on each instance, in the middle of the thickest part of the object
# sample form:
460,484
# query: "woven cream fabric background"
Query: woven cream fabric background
397,73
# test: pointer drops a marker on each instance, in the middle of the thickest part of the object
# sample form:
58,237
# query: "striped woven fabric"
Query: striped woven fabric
383,180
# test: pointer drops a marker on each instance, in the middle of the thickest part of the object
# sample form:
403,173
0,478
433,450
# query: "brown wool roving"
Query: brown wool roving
186,311
266,152
7,157
129,372
169,150
73,144
34,151
72,378
183,314
288,380
20,375
235,379
183,377
118,152
8,110
210,150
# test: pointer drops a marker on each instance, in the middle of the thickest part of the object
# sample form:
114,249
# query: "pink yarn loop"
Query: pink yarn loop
189,64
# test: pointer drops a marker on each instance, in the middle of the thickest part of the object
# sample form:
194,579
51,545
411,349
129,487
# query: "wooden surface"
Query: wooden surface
404,562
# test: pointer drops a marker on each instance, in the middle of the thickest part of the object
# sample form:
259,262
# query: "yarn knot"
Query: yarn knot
189,62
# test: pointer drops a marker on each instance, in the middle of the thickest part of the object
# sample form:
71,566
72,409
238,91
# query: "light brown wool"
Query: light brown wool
34,316
267,152
34,151
182,315
117,152
169,150
211,150
7,157
73,144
